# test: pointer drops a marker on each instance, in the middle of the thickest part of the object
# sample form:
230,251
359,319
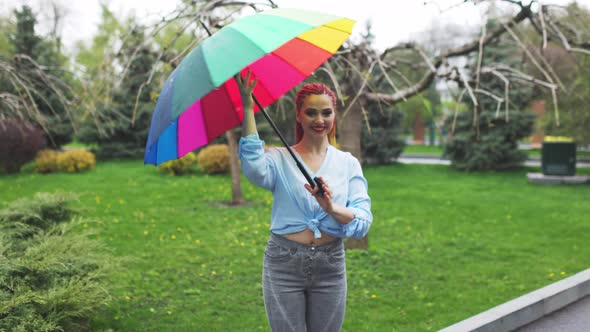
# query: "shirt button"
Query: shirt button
312,248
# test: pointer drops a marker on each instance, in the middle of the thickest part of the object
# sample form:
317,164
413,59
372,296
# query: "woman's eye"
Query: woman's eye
311,113
327,113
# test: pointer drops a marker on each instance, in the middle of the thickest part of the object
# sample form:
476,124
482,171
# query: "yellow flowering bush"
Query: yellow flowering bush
179,166
76,161
214,159
46,161
558,139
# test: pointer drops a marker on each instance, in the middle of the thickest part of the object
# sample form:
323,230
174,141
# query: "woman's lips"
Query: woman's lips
318,129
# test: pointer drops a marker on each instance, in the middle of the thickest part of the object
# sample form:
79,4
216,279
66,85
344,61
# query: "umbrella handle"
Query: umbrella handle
320,185
312,182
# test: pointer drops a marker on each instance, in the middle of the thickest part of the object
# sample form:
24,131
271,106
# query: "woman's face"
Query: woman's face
316,116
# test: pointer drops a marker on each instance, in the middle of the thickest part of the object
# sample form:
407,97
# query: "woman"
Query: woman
304,273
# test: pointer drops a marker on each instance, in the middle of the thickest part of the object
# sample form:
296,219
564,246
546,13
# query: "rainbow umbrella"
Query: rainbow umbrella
201,100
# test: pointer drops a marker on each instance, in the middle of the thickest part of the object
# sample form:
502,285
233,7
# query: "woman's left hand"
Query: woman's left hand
325,200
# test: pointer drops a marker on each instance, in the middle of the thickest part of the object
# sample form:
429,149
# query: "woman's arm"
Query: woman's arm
246,88
359,202
257,166
341,214
356,216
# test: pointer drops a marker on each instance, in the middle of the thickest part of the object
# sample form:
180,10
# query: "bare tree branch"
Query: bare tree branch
405,93
550,69
328,69
506,85
543,27
472,46
425,58
566,42
480,56
427,79
547,76
473,99
386,75
367,76
25,77
498,99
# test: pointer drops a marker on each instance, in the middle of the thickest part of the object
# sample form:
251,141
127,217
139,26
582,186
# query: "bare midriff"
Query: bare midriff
306,237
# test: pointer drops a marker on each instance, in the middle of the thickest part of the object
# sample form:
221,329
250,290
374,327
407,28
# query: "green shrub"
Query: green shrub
214,159
28,168
385,141
46,161
180,166
53,277
76,161
496,148
24,219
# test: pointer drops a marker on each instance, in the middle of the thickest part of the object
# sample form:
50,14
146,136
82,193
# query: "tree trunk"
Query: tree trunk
349,138
362,244
538,108
419,128
237,197
349,132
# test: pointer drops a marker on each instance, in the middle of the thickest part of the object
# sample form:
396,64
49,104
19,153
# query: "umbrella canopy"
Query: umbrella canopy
201,100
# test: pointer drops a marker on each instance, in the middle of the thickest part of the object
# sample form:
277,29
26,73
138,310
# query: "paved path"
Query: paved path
573,318
435,160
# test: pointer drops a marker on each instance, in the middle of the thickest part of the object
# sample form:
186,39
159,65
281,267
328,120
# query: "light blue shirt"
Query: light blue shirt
294,209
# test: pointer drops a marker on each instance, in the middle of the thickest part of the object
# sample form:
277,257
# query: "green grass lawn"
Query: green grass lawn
423,149
77,145
444,245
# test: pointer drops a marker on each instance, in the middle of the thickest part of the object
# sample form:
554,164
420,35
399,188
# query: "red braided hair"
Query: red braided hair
314,89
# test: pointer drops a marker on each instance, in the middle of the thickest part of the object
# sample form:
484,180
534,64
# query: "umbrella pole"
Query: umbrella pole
312,182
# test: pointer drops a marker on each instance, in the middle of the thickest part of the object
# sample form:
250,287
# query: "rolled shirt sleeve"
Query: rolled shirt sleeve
359,202
257,164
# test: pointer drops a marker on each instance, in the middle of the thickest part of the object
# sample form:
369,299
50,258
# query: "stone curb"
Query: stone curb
527,308
540,178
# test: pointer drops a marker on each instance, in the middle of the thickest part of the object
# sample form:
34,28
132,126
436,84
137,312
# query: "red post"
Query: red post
538,108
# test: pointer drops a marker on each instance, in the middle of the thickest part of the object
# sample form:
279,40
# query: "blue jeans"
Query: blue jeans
304,286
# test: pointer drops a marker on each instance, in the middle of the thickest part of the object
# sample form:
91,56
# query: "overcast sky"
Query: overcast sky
400,21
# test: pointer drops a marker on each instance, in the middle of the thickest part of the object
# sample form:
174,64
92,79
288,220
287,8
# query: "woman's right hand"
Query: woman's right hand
246,88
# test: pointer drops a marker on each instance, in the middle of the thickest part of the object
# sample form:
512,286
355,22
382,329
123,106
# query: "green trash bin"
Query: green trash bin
558,158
